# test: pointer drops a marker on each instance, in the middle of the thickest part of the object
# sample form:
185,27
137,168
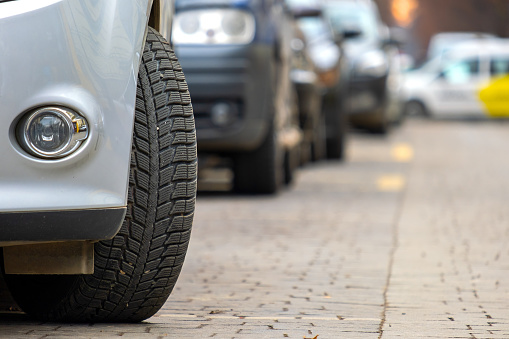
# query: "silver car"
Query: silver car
98,147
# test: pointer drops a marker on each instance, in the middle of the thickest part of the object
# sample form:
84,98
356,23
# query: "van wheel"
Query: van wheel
135,271
416,108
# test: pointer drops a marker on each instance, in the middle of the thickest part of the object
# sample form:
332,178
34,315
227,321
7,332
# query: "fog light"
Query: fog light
223,114
52,132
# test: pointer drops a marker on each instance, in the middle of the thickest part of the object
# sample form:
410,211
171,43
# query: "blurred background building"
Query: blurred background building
424,18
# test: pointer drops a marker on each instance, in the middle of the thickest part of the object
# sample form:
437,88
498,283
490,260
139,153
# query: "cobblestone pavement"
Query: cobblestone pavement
409,239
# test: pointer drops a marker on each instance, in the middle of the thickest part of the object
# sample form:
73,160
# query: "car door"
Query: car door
494,95
456,89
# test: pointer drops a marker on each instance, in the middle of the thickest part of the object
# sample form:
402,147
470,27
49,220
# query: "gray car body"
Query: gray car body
243,75
83,55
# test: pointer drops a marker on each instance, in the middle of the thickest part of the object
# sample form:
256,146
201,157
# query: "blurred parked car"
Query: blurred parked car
98,179
470,79
374,101
327,57
441,42
307,85
237,58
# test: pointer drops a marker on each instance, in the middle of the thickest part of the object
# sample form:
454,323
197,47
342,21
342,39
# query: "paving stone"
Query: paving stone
338,255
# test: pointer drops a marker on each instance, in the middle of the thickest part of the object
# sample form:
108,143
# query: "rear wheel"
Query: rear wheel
135,271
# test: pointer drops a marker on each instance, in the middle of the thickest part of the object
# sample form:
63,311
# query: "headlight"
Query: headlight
189,23
326,57
51,132
372,64
213,26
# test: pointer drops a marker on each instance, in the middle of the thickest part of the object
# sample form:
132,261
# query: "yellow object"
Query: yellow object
402,153
404,11
390,183
495,97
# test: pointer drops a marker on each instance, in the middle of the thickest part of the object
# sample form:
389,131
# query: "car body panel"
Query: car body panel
242,76
375,75
236,75
330,64
83,55
366,92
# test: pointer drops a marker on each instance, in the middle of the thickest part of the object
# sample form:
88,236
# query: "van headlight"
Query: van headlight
213,26
372,64
51,132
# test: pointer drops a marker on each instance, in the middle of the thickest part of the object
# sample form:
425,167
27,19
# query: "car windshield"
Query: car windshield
314,28
295,3
345,17
430,66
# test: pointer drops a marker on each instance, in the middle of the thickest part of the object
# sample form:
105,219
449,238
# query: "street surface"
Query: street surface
407,239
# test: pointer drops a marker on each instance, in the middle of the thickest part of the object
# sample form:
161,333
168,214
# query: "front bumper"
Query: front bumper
238,75
19,228
85,56
366,95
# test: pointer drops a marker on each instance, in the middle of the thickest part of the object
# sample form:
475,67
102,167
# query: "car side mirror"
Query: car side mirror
306,12
351,32
442,76
397,36
338,38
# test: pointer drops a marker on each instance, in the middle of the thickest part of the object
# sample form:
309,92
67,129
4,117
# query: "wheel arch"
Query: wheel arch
419,101
161,17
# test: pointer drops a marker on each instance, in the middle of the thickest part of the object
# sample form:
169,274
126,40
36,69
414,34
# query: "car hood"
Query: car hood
354,48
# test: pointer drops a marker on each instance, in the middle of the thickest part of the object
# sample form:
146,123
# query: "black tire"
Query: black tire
375,121
136,271
260,171
381,124
337,126
336,146
319,145
416,108
291,164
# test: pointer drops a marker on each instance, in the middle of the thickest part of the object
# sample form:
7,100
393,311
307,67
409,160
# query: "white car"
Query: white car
441,42
469,80
98,147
